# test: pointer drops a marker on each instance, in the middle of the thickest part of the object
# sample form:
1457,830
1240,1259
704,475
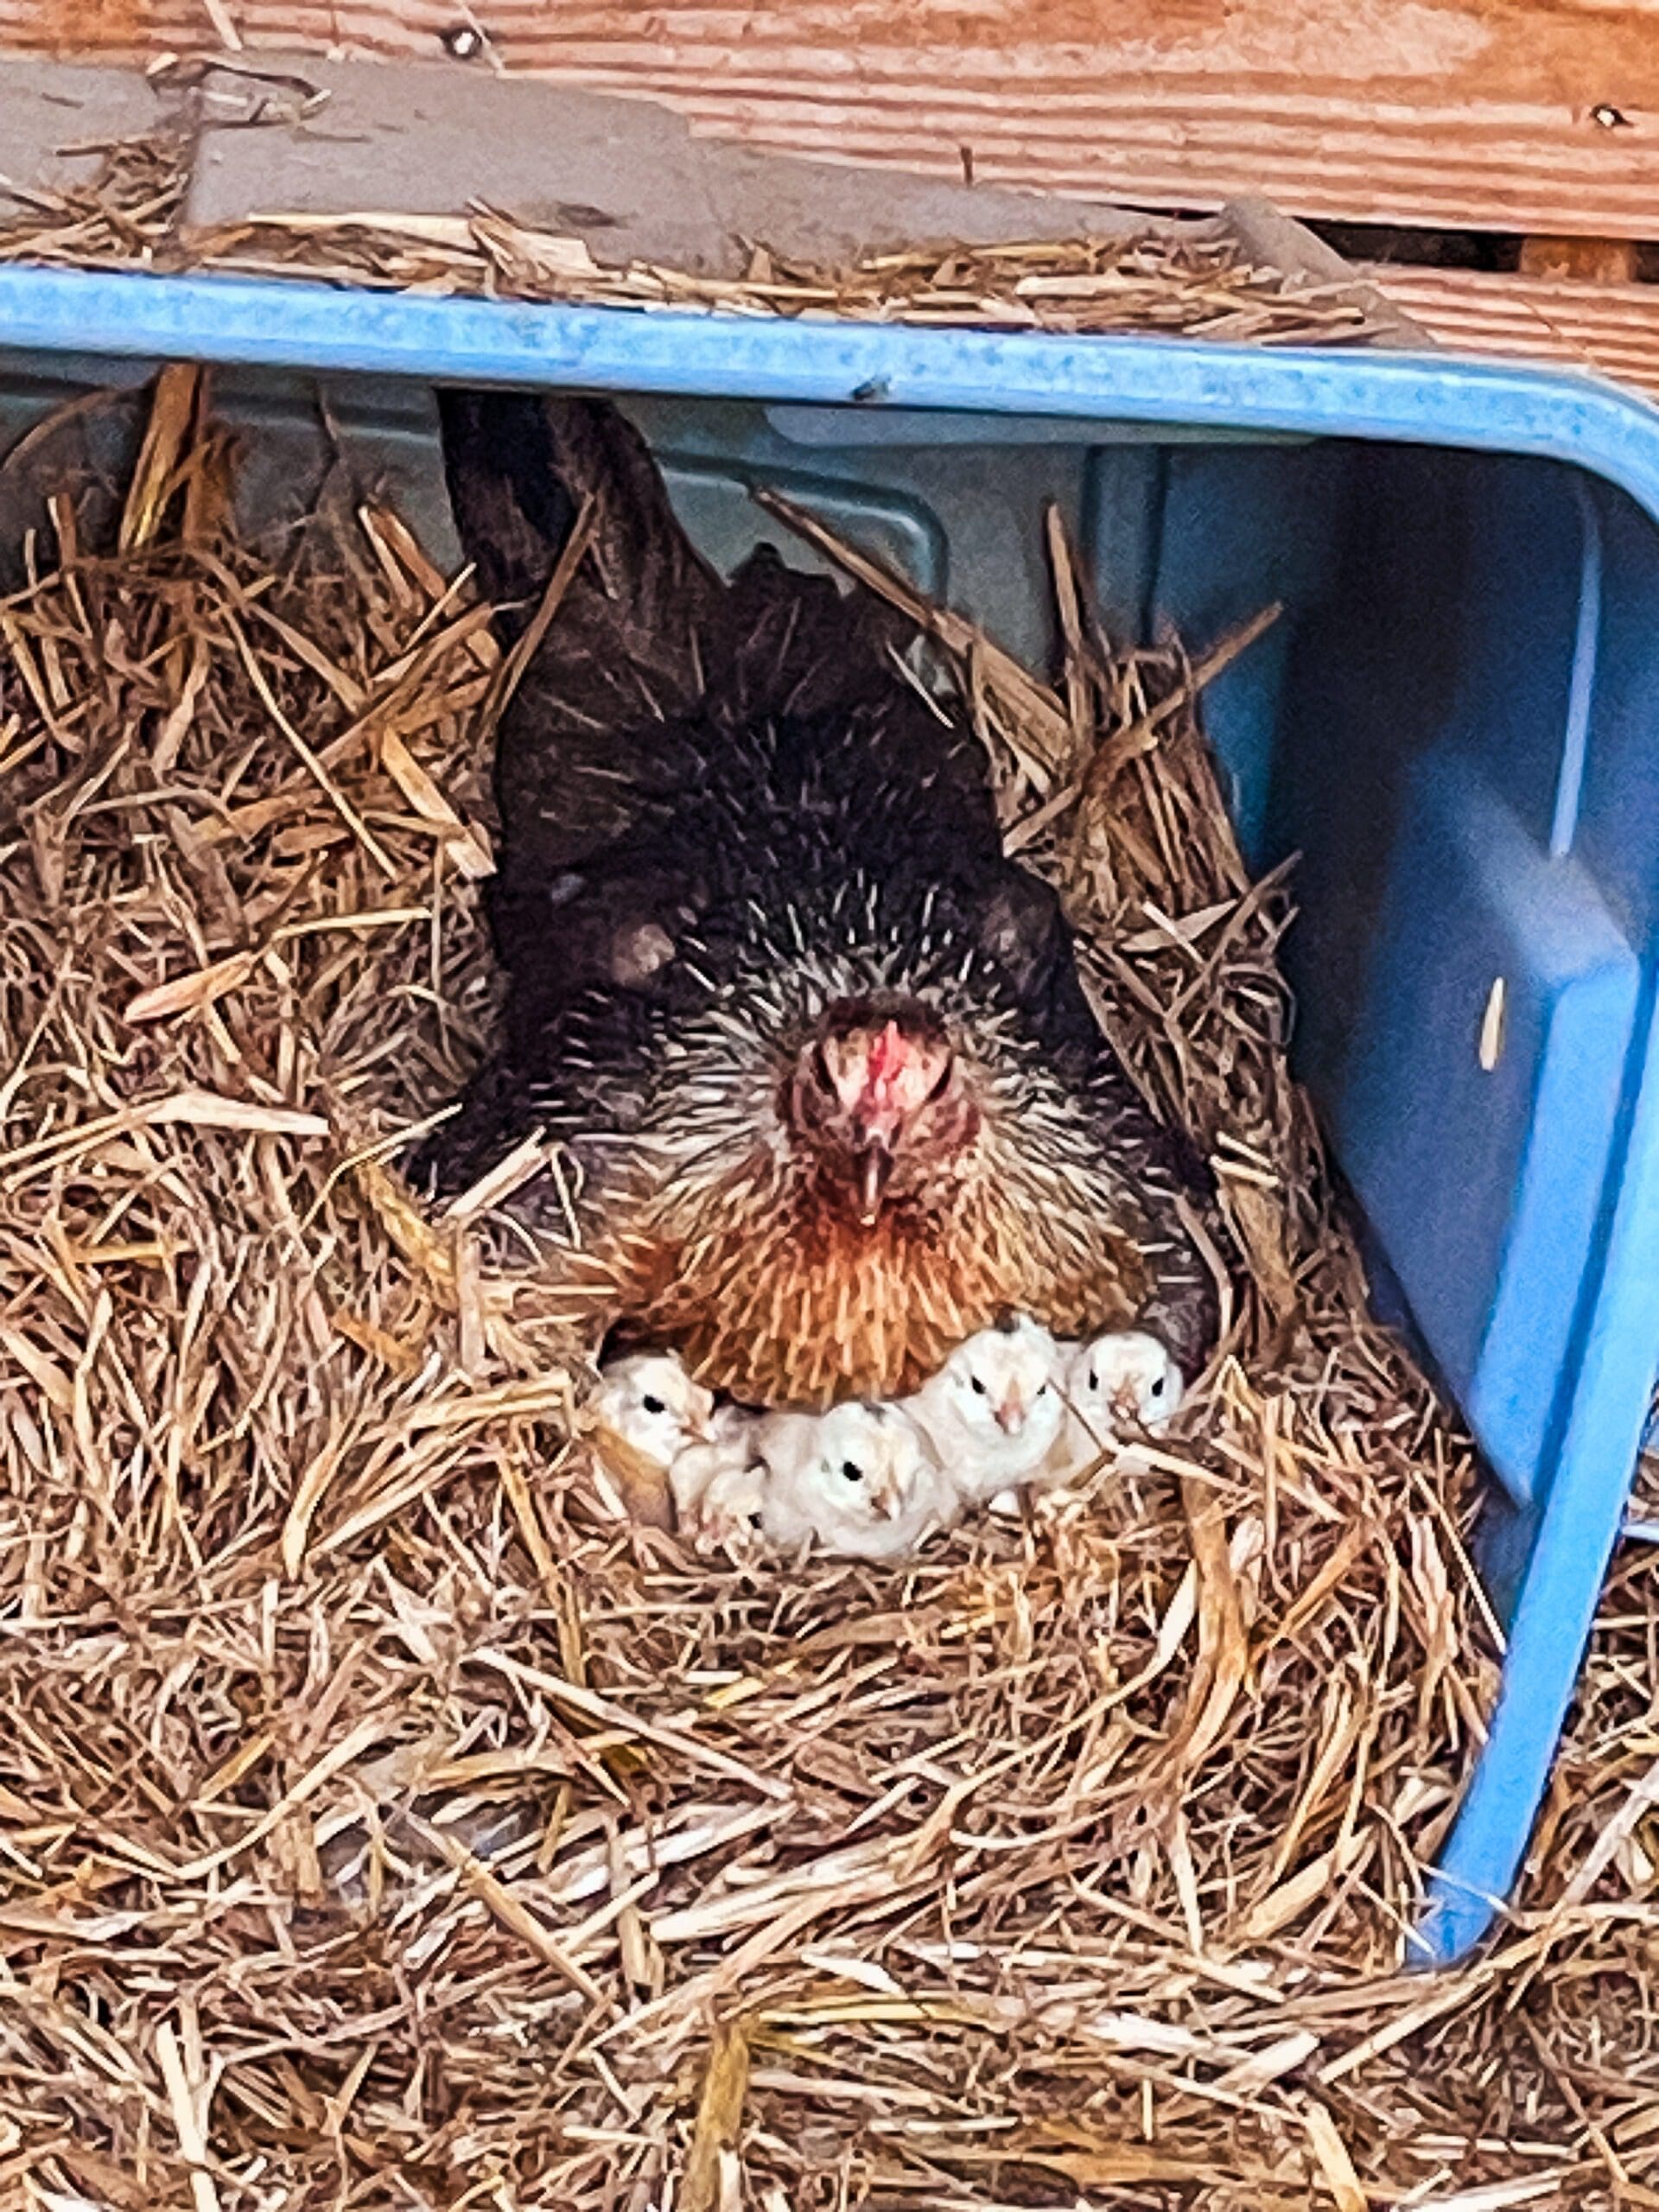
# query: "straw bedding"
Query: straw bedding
384,1826
131,216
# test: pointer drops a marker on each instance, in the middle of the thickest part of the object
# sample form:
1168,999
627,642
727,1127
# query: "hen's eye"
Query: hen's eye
653,1405
979,1388
852,1471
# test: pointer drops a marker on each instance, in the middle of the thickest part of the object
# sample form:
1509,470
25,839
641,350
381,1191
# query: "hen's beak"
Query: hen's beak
1011,1416
874,1164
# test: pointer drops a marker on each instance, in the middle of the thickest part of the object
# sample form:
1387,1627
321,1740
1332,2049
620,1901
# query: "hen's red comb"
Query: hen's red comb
889,1052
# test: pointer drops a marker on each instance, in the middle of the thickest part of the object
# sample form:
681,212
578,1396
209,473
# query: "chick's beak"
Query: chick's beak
1011,1416
1126,1402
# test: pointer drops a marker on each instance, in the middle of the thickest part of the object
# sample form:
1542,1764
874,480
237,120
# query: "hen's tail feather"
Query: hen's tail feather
512,510
519,469
603,719
646,634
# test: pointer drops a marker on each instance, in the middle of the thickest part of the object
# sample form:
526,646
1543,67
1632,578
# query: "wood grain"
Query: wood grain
1479,113
1612,329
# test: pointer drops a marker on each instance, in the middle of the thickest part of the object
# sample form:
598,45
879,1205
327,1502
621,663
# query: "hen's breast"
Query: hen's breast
791,1304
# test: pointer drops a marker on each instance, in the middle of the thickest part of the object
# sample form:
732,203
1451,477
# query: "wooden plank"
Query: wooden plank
1519,115
1613,329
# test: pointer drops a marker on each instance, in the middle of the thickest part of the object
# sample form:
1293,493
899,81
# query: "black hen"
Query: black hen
817,1051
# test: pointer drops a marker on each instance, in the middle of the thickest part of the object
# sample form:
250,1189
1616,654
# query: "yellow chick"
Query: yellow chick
651,1405
716,1485
1125,1380
992,1415
729,1512
857,1480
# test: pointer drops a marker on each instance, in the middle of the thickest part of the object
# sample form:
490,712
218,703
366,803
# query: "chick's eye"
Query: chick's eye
979,1388
852,1471
1158,1387
1093,1380
653,1405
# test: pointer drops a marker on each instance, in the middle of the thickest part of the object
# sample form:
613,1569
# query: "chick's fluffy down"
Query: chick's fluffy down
859,1480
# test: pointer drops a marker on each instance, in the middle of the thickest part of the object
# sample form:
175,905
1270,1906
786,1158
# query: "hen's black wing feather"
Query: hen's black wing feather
650,674
600,722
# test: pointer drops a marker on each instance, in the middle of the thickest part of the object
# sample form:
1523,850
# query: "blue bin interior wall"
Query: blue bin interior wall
1403,729
1435,745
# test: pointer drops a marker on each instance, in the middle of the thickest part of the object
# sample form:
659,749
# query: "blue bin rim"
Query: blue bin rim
1427,397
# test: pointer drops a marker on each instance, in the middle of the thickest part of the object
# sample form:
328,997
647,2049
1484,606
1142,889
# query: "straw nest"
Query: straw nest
386,1826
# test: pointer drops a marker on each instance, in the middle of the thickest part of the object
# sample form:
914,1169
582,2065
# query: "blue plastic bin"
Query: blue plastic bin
1456,724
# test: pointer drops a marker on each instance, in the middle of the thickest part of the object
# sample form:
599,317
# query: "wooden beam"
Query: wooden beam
1535,116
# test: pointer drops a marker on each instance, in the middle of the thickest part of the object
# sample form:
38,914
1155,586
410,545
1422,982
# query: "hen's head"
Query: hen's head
876,1097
